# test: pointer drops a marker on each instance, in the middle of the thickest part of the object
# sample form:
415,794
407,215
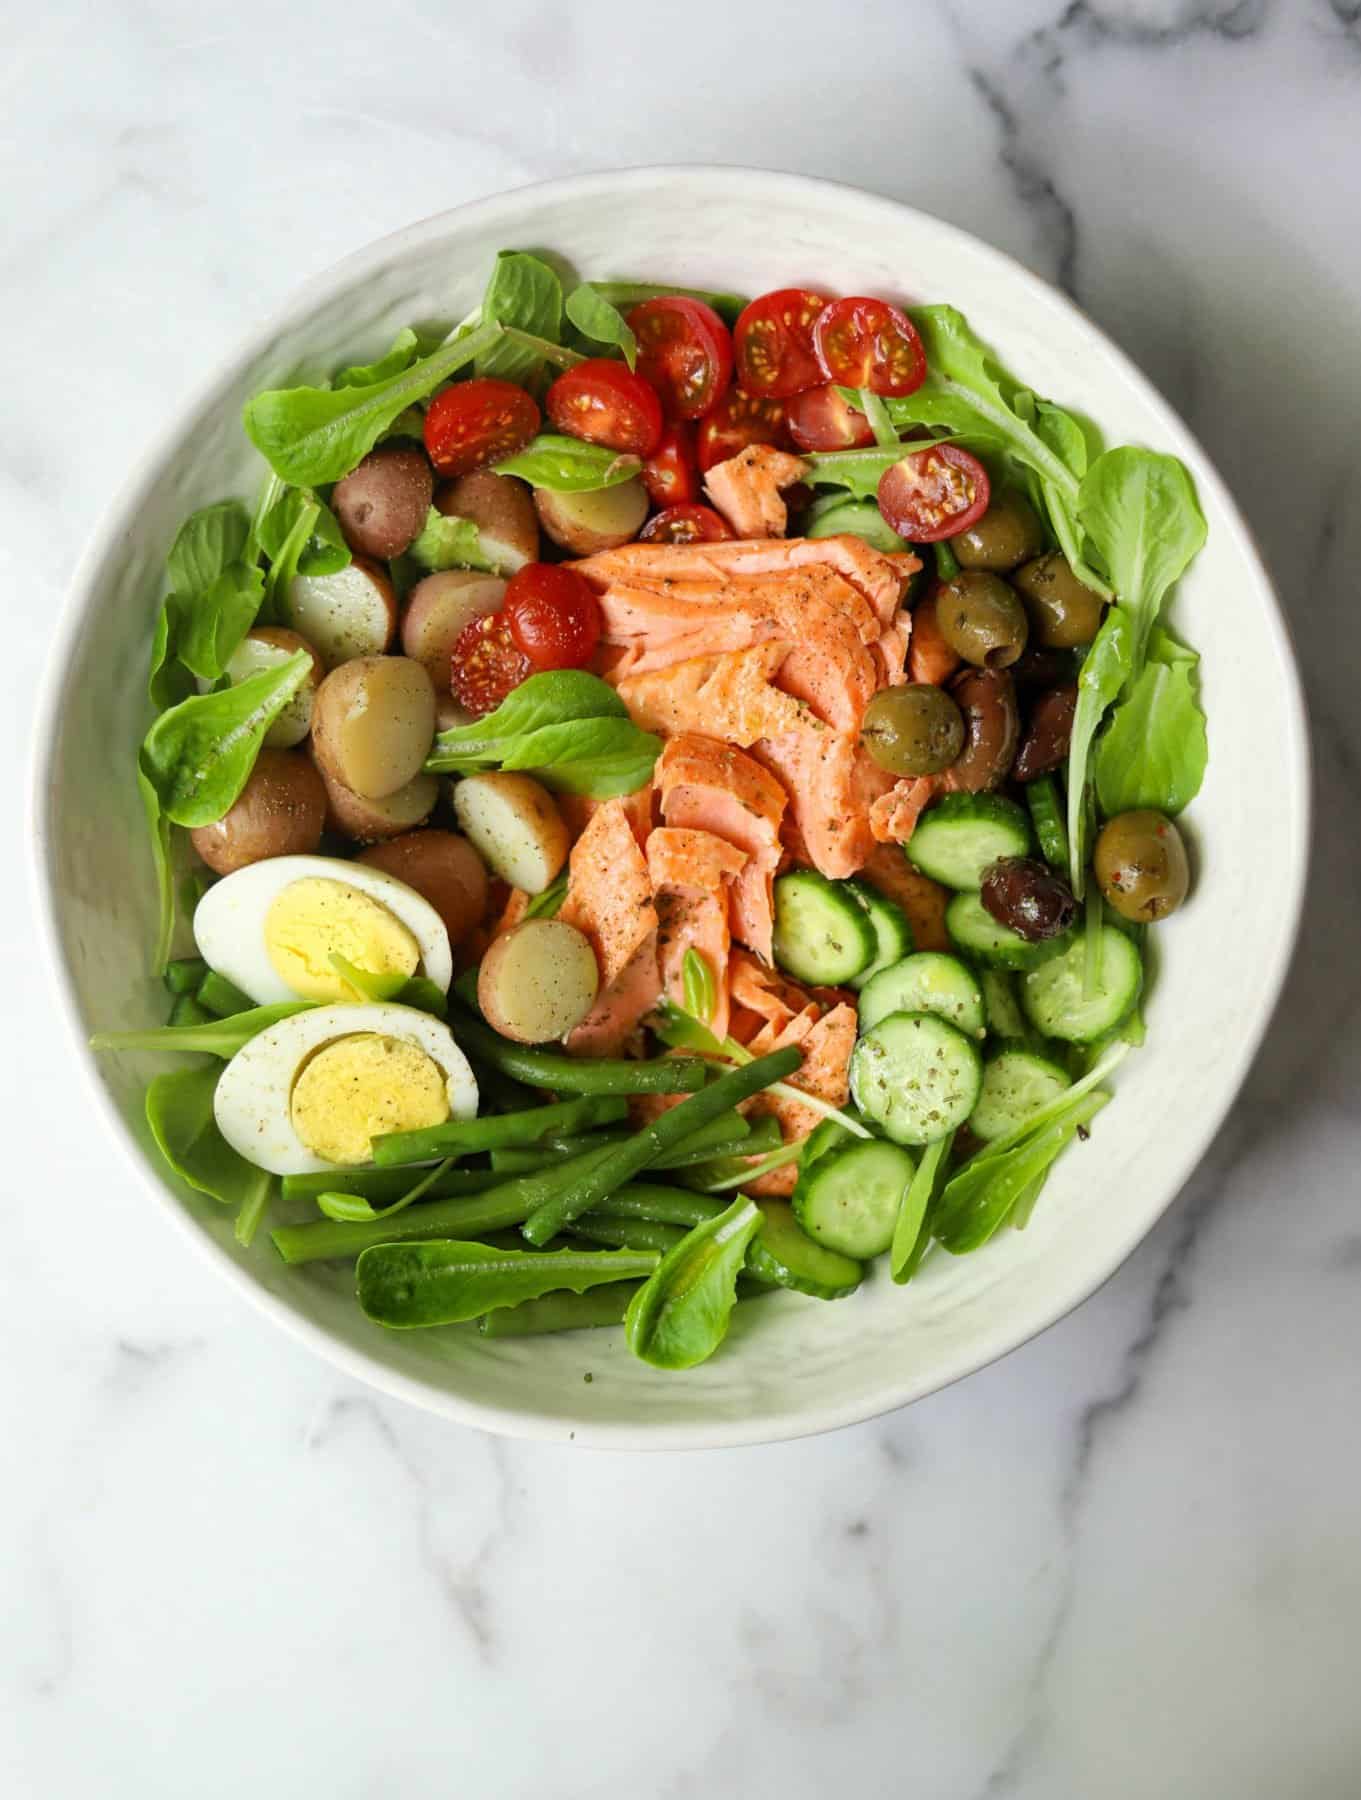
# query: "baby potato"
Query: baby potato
373,724
265,648
382,505
372,821
348,614
503,512
514,826
537,981
443,868
585,523
281,811
437,611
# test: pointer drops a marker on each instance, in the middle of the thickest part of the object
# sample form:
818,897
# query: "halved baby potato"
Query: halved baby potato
280,812
537,981
265,648
438,609
503,512
443,868
367,821
513,824
348,614
373,724
602,520
382,505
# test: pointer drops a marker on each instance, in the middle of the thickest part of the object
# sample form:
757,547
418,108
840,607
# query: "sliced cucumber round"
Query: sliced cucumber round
1059,1001
893,934
962,835
1000,1006
850,1201
929,981
783,1252
915,1076
973,930
1016,1083
822,934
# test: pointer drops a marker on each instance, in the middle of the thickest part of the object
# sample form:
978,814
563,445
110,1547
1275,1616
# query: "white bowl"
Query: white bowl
791,1365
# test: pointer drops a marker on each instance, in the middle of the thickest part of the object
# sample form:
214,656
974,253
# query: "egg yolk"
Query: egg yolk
311,920
356,1088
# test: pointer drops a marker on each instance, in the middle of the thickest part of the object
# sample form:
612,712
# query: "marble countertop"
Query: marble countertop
1123,1562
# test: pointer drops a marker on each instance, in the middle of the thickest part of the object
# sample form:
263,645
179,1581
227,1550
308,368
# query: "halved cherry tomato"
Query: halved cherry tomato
606,403
738,420
685,525
474,423
773,341
819,419
671,474
869,344
553,614
934,493
486,664
684,351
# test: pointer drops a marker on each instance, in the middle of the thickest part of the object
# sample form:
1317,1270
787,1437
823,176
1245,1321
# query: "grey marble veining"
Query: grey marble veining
1123,1562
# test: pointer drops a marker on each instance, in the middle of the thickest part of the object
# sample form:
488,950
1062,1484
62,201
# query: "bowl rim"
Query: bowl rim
526,1423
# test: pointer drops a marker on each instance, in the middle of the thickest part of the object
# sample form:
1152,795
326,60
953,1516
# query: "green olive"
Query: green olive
1063,612
982,619
913,730
1141,866
1008,533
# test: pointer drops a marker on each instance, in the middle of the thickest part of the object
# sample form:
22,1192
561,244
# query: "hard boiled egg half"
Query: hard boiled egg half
274,927
312,1091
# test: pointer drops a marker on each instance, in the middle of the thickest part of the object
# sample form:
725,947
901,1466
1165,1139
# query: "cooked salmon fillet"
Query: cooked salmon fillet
831,785
746,489
709,786
690,872
826,1044
893,817
609,898
611,1026
930,658
922,900
730,696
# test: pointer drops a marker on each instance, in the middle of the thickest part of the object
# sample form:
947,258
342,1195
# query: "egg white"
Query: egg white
229,921
253,1095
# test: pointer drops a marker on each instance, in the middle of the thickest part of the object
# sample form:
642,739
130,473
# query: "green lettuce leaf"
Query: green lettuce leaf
1154,751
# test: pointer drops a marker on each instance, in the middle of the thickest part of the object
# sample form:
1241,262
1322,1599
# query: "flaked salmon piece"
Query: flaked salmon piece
930,658
579,809
746,489
893,817
891,650
827,1047
764,991
710,786
831,785
612,1025
689,871
774,1036
609,893
729,695
922,900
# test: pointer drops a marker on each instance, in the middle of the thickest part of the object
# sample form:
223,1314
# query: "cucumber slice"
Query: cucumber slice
930,982
855,518
1016,1083
973,930
849,1202
916,1076
892,932
1055,997
783,1252
822,935
964,834
1001,1008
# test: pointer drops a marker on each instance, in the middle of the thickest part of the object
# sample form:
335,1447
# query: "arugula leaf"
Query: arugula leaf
216,594
214,623
858,471
526,293
548,904
1154,751
552,698
215,1037
628,294
602,322
179,1111
363,983
599,757
446,541
876,411
442,1282
569,727
568,465
1103,674
425,995
323,550
698,987
168,681
199,755
205,544
311,436
912,1233
405,349
158,828
680,1315
982,1195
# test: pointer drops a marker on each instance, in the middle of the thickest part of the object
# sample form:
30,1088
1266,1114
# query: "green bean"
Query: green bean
496,1131
221,997
183,975
187,1011
573,1192
627,1234
576,1075
726,1134
560,1312
553,1150
662,1205
383,1186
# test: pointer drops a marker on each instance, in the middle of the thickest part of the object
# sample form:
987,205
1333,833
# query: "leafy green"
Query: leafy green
218,1037
199,755
1102,676
158,829
207,542
911,1234
168,681
311,436
568,465
216,621
628,294
680,1315
215,596
858,471
404,351
982,1195
404,1286
354,1209
425,996
598,319
323,550
876,411
855,518
179,1110
1154,751
524,292
698,987
363,983
548,904
447,542
1140,511
599,757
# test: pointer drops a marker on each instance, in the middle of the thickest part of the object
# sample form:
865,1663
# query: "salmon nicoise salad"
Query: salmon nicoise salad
669,793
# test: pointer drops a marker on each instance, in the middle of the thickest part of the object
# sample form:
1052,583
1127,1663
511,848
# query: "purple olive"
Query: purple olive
1044,746
1029,898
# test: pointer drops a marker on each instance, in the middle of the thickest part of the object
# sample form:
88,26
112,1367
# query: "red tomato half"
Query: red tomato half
870,344
554,616
670,474
819,419
934,493
606,403
738,420
685,525
773,341
684,351
486,664
478,422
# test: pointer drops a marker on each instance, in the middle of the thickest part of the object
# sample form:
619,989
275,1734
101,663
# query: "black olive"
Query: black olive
1028,897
